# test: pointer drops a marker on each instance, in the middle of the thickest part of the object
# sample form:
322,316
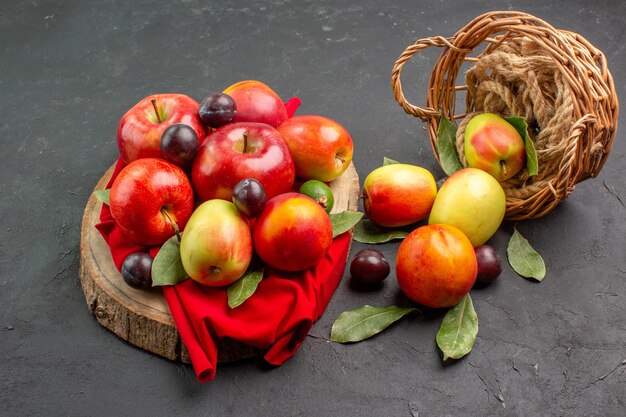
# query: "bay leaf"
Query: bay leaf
167,267
240,290
525,260
446,146
364,322
366,231
389,161
532,163
458,331
103,195
344,221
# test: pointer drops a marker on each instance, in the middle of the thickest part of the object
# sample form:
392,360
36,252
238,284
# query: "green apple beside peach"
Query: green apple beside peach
493,145
472,201
216,246
292,233
398,194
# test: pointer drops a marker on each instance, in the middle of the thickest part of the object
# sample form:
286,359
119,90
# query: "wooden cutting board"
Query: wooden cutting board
142,317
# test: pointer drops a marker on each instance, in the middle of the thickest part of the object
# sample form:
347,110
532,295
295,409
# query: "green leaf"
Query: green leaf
458,331
240,290
525,260
344,221
389,161
519,123
446,146
365,322
103,195
167,267
366,231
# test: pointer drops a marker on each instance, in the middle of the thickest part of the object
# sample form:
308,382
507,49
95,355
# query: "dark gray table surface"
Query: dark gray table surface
70,69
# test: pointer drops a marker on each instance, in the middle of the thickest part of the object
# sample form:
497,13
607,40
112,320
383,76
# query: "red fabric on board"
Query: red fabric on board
275,319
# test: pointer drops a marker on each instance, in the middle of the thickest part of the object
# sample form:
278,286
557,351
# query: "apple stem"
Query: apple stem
504,168
156,111
245,142
172,222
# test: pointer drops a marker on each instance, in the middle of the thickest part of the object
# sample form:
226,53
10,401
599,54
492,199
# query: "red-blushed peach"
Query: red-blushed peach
436,266
292,233
398,194
493,145
216,246
257,102
321,148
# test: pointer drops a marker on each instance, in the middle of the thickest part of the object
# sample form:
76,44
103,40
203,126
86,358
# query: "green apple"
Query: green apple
472,201
494,145
216,246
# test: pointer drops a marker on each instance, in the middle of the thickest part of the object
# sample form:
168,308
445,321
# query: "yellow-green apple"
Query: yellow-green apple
494,145
292,233
237,151
140,129
398,194
472,201
322,148
216,247
257,102
150,200
436,266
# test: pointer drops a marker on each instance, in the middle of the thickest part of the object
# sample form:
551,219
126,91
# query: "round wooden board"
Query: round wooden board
142,317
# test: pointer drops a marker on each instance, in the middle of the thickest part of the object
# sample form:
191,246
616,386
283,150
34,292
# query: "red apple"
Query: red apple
238,151
493,145
150,199
256,102
216,247
322,148
436,265
140,129
398,194
292,233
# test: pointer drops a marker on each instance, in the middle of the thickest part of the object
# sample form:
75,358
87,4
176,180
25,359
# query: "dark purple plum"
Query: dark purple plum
489,265
137,270
369,268
217,109
179,144
249,197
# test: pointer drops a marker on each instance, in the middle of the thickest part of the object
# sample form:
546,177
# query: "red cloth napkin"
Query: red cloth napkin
275,319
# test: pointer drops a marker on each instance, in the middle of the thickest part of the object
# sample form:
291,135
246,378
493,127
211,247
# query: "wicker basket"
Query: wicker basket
586,141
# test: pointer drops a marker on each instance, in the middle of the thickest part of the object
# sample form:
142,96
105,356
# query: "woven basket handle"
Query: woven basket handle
424,113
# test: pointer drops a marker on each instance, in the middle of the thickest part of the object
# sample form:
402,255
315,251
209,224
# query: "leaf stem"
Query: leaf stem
156,110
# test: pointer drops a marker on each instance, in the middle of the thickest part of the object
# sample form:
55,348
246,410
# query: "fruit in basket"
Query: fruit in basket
257,102
489,265
321,148
137,270
249,197
217,109
436,266
292,233
216,247
369,268
493,145
179,145
398,194
472,201
150,200
238,151
140,130
319,192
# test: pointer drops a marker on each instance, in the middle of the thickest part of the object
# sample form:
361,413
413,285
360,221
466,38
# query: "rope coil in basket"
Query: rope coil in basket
555,79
